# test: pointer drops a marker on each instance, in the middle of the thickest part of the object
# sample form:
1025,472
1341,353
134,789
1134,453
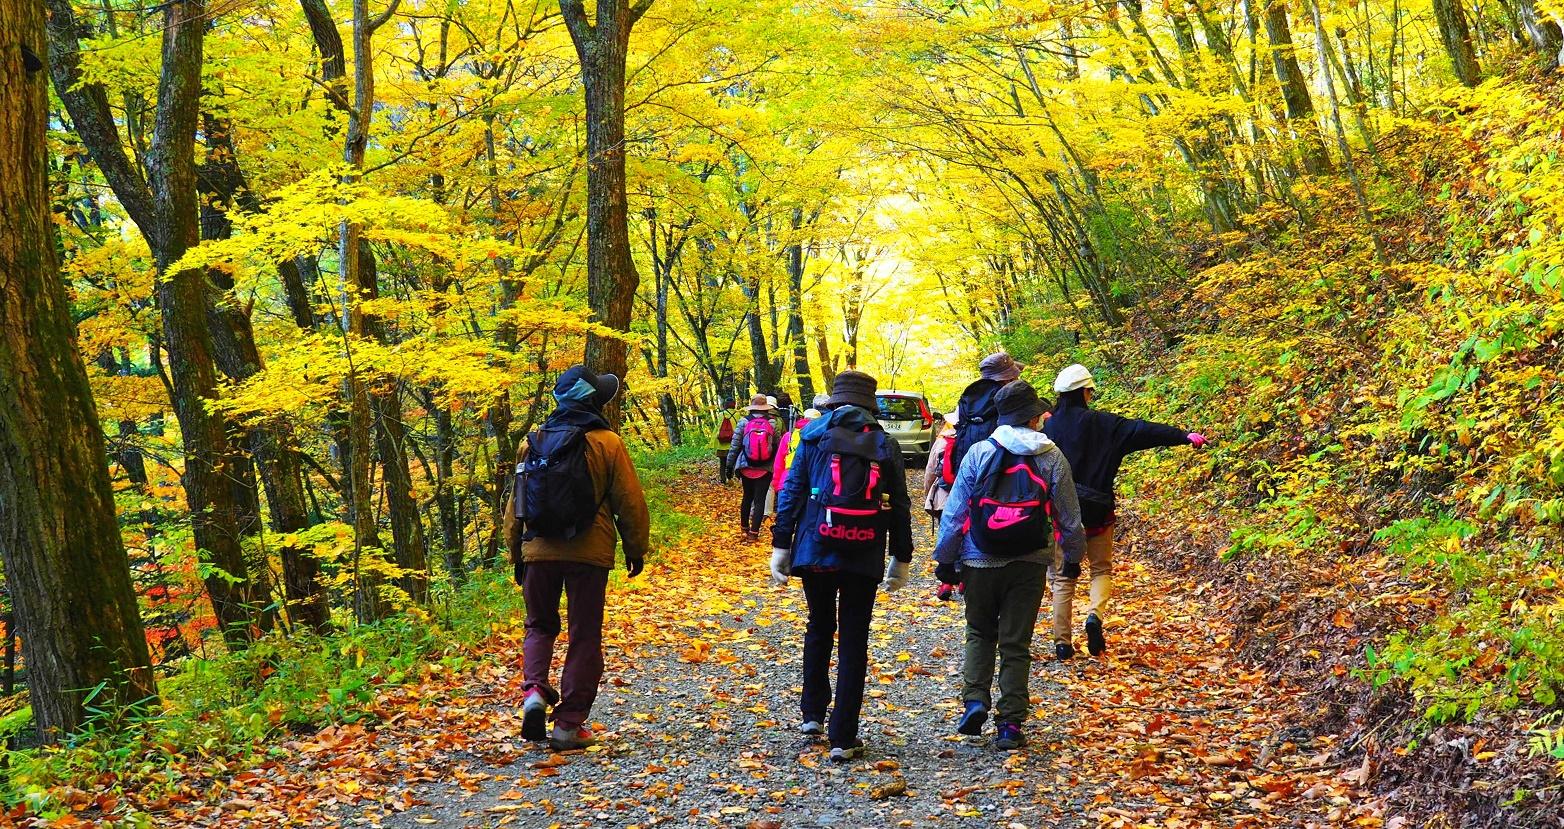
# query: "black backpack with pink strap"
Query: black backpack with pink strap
1011,511
854,515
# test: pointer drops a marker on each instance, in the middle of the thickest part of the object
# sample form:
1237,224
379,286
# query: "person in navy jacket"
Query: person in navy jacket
840,587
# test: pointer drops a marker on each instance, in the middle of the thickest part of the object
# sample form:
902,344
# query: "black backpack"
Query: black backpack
979,418
553,489
853,515
1012,513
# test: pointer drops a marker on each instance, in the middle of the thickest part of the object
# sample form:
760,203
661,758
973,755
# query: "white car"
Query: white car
905,415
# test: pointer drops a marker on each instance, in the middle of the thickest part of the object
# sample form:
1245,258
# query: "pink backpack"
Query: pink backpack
760,440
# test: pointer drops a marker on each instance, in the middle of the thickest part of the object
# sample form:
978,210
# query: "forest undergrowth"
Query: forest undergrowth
1380,515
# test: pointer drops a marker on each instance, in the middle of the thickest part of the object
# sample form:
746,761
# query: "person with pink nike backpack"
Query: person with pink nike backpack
1011,514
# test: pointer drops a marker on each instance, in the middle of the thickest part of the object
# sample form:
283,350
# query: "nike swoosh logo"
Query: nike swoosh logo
1005,518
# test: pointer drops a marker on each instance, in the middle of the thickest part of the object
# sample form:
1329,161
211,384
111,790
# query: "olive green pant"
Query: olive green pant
1002,605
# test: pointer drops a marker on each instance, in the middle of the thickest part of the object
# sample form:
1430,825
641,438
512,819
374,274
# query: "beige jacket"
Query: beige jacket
623,508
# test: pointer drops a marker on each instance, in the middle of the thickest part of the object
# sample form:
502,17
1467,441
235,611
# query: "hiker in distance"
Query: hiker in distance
575,490
940,472
751,456
1096,443
1011,517
722,438
844,505
788,451
938,475
976,416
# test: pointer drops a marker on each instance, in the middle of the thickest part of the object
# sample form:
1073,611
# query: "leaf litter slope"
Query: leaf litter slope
699,708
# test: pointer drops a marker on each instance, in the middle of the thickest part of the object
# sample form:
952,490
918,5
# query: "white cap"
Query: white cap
1072,378
771,400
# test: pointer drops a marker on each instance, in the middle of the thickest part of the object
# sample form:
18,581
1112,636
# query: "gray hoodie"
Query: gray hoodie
954,542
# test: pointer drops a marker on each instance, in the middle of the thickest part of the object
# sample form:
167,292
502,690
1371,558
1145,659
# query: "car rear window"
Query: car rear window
899,408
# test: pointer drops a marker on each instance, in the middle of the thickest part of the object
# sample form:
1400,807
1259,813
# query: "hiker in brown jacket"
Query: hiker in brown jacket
564,545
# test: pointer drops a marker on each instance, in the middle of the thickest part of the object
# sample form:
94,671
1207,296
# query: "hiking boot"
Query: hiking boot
972,719
1063,651
1096,645
811,728
534,717
1010,737
847,754
564,740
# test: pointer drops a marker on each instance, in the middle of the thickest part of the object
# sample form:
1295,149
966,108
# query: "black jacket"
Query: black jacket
1096,443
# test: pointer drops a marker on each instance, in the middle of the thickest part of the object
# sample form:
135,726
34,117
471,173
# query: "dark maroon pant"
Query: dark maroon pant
585,588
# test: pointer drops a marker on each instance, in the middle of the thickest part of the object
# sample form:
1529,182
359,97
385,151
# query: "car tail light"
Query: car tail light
928,417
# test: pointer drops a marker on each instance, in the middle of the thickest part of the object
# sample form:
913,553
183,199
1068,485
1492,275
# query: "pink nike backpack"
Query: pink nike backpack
1013,515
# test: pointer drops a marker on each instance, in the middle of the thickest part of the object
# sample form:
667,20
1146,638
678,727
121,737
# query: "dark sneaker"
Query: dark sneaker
1010,737
1096,645
534,717
972,719
1063,651
847,754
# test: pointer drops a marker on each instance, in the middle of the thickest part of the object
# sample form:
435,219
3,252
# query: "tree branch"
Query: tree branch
384,16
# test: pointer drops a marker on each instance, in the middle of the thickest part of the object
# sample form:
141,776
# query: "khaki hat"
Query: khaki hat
760,403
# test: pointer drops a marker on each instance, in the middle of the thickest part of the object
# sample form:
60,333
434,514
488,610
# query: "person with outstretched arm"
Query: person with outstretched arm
1011,518
1096,443
576,494
844,506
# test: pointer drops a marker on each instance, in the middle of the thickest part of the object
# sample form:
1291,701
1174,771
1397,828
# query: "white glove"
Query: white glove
780,559
896,575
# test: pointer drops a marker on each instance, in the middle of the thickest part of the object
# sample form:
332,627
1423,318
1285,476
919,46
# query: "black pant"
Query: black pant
752,510
838,602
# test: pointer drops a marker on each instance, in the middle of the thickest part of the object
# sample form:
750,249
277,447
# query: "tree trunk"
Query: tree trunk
1457,38
601,46
445,493
1364,213
1295,91
795,314
358,285
272,444
164,209
65,565
410,548
1547,40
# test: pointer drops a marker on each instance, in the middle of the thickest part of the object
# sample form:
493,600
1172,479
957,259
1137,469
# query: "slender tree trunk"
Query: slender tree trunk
795,314
445,493
358,285
65,565
1341,136
602,45
410,547
1295,91
272,444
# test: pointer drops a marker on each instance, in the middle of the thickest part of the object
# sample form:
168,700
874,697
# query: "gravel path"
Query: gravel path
708,739
699,709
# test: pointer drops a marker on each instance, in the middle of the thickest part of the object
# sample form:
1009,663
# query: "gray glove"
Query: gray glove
780,559
896,575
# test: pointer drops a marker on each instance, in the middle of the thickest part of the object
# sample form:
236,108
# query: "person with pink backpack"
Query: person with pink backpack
751,456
